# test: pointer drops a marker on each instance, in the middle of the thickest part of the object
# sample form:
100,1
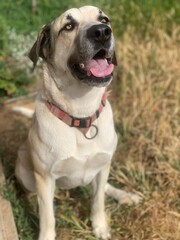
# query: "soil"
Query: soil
13,131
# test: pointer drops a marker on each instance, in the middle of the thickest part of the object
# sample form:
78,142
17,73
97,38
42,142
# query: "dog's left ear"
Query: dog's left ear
114,59
41,47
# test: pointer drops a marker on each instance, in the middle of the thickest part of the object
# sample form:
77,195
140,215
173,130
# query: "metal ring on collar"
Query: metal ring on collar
96,133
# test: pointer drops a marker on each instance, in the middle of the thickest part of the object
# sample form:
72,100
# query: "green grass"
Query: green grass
26,220
123,13
145,98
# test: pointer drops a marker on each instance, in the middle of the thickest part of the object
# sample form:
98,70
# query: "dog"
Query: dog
72,139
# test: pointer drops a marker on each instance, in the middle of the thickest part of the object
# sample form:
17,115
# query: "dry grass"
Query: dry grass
147,116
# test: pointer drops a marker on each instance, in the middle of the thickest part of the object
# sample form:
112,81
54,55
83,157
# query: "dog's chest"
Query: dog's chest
71,158
82,162
78,171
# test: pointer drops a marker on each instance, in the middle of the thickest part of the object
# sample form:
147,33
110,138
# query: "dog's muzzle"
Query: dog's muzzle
94,65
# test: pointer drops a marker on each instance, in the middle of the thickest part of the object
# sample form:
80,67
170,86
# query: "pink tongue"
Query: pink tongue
99,68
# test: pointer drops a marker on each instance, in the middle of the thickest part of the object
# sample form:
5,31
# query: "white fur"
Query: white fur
24,111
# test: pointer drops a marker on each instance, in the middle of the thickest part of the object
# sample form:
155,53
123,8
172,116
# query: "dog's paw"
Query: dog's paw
47,236
100,227
130,199
102,232
121,196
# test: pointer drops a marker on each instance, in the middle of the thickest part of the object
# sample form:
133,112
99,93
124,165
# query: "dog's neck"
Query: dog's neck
71,95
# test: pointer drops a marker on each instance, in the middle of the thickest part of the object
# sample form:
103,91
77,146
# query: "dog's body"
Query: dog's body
77,49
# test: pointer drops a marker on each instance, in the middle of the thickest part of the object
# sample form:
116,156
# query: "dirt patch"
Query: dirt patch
13,131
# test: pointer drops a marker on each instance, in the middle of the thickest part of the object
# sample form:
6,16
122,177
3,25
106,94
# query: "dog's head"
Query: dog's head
79,43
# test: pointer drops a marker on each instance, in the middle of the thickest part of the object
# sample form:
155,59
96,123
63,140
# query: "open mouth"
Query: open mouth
96,71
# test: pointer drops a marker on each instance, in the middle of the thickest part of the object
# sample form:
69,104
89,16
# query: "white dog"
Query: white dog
72,138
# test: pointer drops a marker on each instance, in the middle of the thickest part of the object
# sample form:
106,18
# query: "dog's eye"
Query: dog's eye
105,20
69,27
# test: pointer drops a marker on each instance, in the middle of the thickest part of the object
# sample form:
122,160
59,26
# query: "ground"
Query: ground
14,129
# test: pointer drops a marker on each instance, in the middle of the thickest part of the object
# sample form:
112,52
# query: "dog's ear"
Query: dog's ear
41,47
114,59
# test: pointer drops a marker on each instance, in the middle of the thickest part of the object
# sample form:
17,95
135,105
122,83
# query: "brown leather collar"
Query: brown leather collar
83,124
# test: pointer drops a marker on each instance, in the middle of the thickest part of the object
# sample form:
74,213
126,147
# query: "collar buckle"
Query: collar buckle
81,122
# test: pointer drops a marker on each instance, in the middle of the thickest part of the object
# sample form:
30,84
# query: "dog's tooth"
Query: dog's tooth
81,65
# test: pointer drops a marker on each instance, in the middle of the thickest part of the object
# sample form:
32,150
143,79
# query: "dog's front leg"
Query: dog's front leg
45,193
98,215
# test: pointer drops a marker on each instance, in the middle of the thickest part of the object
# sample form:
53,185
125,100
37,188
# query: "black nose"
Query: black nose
99,33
